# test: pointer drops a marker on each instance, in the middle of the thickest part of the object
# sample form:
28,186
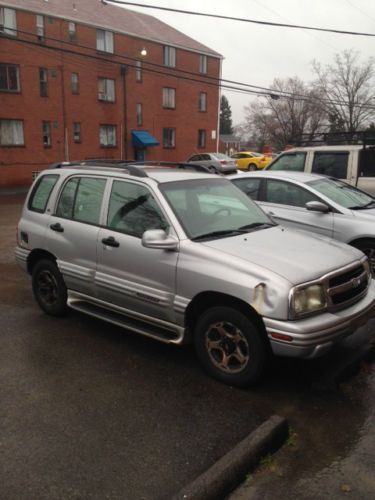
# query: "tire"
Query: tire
367,246
49,288
238,361
252,167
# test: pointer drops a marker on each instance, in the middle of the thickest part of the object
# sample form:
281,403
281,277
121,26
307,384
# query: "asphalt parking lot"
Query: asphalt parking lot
91,411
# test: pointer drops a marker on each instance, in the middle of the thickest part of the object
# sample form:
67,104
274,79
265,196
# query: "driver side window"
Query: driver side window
133,210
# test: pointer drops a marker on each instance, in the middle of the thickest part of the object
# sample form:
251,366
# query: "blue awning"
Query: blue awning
142,139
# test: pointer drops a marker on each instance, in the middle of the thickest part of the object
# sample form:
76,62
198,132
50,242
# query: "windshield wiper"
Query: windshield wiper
256,225
218,234
363,207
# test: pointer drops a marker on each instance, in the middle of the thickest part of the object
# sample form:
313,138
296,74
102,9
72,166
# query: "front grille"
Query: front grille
347,287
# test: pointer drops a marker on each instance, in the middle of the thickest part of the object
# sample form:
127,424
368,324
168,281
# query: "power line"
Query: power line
228,85
241,19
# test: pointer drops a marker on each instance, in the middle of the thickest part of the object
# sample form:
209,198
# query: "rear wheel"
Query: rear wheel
49,288
252,167
230,347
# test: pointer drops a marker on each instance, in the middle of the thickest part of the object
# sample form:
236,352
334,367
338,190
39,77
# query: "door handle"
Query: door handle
57,227
110,242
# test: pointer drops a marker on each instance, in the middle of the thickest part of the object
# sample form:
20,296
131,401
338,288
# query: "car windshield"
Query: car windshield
343,194
221,156
213,208
256,154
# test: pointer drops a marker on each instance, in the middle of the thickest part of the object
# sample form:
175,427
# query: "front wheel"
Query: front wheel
49,288
367,246
230,347
252,167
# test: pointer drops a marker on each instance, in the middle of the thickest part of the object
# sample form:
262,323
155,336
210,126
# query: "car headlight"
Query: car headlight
307,300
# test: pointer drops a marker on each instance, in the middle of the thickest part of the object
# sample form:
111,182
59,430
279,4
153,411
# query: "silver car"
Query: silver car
315,203
216,162
179,255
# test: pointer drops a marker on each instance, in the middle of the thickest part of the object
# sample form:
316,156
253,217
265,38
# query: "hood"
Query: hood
367,214
294,255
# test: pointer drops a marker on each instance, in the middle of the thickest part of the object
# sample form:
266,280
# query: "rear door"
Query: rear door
73,229
129,275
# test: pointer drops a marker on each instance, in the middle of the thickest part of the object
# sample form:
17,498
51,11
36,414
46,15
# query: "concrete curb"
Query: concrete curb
228,472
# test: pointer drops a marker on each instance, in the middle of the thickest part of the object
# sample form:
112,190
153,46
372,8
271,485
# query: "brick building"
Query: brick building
83,79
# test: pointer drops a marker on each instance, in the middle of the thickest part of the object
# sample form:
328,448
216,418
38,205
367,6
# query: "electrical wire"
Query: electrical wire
245,20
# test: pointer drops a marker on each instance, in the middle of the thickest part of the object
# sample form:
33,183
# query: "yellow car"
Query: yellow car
249,160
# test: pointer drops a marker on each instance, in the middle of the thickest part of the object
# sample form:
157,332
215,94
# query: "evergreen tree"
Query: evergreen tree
226,126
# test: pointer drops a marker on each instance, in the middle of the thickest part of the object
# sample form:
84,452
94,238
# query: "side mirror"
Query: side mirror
158,238
317,206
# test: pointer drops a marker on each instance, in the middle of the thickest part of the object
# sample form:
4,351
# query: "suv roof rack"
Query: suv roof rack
133,167
359,137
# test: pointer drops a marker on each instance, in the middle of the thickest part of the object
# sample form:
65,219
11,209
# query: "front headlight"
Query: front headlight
308,300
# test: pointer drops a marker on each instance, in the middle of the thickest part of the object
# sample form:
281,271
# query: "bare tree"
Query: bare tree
289,112
347,89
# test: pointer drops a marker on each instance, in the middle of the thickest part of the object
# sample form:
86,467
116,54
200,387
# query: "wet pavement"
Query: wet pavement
91,411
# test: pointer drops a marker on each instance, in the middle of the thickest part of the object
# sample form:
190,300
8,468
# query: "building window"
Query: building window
169,137
9,78
138,71
201,138
139,114
11,133
40,27
72,31
202,101
43,82
74,83
46,132
8,21
169,98
104,41
108,136
202,64
106,89
77,132
169,56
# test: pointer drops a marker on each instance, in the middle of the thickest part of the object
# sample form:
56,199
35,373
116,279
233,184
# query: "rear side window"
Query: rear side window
249,186
41,193
367,163
289,161
81,199
285,193
332,164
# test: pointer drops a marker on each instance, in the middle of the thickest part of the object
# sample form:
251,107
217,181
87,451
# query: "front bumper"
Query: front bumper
312,337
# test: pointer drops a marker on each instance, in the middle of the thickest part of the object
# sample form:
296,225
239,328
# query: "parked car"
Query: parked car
179,255
315,203
217,162
351,163
249,160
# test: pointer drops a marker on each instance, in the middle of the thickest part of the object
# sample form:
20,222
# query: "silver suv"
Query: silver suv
180,255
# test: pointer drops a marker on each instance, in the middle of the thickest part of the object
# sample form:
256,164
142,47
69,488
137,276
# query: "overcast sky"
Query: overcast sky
257,54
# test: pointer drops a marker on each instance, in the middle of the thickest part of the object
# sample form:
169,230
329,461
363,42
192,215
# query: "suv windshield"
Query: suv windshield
212,208
343,194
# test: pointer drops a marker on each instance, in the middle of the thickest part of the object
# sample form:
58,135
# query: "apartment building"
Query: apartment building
84,79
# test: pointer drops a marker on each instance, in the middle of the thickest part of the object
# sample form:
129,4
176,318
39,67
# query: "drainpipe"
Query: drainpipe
218,112
123,72
65,130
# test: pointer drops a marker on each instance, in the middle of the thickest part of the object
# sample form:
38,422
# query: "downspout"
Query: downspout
123,71
65,131
218,110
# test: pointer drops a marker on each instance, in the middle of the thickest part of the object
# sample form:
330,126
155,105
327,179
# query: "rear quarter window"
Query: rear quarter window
332,164
41,192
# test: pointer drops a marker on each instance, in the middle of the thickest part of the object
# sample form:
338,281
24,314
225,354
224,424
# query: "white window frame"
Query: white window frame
74,83
16,67
11,133
169,56
202,101
43,82
107,136
138,71
8,21
106,89
169,98
40,26
72,31
104,41
46,133
139,113
169,137
202,138
77,132
203,64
